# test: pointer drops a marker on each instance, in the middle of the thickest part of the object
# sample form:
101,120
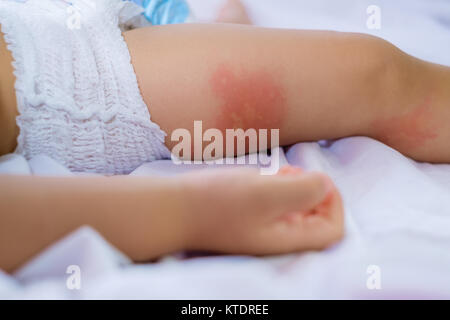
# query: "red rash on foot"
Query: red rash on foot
249,100
409,131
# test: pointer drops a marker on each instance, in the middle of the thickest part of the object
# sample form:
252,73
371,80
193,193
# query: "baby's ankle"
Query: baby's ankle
415,112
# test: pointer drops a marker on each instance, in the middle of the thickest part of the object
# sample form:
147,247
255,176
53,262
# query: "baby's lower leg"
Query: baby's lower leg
395,98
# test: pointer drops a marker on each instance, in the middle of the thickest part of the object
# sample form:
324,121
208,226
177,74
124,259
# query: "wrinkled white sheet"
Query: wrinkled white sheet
397,210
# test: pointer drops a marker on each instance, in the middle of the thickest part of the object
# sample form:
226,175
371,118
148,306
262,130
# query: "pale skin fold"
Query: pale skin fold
311,85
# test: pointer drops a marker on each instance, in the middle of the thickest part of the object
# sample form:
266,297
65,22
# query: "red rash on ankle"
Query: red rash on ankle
408,131
249,99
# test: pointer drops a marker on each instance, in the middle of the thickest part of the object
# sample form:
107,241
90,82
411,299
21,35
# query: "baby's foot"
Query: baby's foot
239,211
233,12
327,217
324,205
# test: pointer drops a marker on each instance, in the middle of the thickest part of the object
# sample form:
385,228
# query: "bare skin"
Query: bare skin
310,85
147,217
8,111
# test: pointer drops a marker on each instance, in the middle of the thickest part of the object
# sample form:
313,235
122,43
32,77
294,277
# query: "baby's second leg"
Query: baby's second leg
310,85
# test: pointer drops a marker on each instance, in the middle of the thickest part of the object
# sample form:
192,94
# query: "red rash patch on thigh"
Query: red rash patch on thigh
249,99
409,131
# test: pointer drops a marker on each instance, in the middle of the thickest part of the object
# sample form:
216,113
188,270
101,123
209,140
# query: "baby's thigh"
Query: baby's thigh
203,73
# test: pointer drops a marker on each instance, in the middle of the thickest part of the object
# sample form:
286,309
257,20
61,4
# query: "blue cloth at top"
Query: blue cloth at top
160,12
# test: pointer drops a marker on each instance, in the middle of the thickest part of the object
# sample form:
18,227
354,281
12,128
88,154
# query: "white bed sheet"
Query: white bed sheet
397,210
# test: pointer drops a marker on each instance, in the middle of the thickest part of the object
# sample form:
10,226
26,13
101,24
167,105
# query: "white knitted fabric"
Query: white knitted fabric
77,93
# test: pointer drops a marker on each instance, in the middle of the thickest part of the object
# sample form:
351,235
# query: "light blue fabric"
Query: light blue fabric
160,12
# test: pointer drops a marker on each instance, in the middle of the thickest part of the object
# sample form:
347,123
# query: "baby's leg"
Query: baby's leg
311,85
